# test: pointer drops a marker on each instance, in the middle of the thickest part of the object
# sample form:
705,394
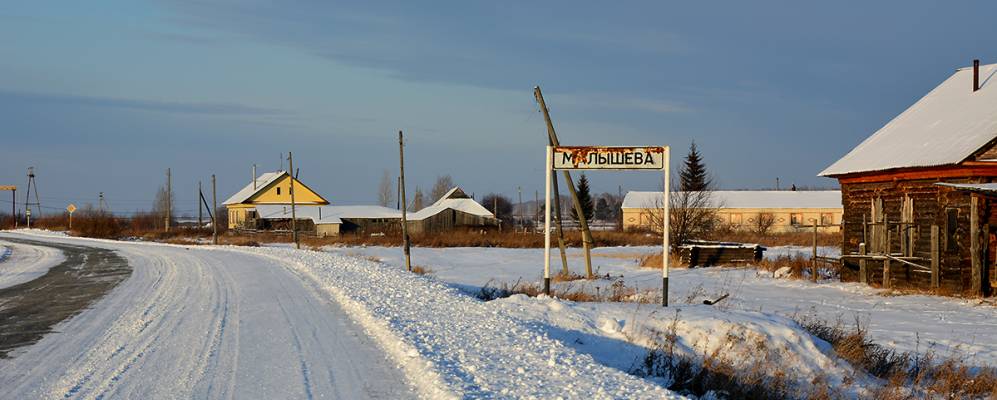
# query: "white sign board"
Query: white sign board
609,157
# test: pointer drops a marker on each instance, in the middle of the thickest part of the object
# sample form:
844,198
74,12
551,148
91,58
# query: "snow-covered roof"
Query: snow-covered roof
454,199
248,191
973,187
749,199
944,127
327,214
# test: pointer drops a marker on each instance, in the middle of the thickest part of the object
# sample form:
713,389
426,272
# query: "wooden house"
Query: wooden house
272,188
920,208
454,211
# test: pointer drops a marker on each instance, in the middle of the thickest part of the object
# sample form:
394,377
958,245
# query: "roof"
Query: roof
972,187
750,199
248,191
946,126
328,214
455,199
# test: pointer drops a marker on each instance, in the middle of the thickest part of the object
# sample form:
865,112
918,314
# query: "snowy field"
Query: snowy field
20,263
905,323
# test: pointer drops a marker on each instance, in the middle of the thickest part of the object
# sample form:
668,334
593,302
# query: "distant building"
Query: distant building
455,210
272,188
782,210
920,193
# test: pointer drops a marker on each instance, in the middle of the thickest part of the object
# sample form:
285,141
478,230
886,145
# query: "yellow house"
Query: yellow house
271,188
749,210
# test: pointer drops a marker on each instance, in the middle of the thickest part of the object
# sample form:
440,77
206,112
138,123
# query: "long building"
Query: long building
779,210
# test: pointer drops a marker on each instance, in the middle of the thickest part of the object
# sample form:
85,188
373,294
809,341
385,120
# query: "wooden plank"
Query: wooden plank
976,265
886,264
863,269
935,256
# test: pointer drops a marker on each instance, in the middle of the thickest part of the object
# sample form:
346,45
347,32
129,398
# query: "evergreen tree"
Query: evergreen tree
585,198
693,176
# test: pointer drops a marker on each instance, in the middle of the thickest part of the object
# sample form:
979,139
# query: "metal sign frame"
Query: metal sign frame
581,157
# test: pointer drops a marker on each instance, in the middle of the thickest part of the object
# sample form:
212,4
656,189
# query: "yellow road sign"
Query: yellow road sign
71,208
8,188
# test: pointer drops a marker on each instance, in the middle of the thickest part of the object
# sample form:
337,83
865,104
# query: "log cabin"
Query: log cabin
919,198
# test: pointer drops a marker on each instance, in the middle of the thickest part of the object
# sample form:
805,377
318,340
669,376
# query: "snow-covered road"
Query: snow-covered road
25,262
203,323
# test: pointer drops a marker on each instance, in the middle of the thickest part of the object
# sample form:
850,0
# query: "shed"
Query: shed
919,209
455,210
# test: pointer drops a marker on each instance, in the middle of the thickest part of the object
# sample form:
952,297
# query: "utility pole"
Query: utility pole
169,198
520,190
100,203
536,209
587,241
27,196
401,190
254,177
214,212
294,225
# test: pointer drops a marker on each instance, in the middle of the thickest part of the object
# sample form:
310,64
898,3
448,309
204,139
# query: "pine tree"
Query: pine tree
585,198
693,175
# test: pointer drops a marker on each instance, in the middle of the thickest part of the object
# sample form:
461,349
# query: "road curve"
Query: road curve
203,323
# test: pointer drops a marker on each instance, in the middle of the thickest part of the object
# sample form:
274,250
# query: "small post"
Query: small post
935,249
27,213
887,283
665,222
403,201
813,268
169,198
214,211
548,167
976,273
200,218
863,269
294,226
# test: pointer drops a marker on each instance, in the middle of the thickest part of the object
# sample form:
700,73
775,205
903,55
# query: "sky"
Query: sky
105,96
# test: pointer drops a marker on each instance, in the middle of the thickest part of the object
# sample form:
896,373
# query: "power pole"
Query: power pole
294,225
101,204
536,209
169,198
401,190
520,190
254,177
27,197
214,212
587,241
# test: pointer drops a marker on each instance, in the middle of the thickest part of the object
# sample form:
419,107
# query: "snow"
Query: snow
25,262
902,322
977,187
455,199
261,182
771,199
328,214
200,322
946,126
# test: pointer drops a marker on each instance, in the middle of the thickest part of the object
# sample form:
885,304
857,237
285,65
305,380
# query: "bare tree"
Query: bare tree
692,215
441,187
418,200
386,189
161,206
763,223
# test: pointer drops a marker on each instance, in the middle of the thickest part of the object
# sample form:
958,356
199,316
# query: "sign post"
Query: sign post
71,208
13,202
650,158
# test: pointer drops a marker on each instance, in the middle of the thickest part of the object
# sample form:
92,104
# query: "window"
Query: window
278,190
796,219
735,219
826,219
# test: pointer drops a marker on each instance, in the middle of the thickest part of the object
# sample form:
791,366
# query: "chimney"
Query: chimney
976,75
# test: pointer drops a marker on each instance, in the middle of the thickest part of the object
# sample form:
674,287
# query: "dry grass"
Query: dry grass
780,239
653,260
907,375
421,270
796,263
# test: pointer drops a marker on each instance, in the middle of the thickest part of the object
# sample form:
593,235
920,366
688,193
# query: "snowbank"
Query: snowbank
25,262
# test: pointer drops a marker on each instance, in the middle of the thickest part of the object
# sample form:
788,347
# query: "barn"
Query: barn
453,211
271,188
326,221
919,198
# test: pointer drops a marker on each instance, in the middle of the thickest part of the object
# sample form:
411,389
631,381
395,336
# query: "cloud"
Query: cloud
592,101
175,107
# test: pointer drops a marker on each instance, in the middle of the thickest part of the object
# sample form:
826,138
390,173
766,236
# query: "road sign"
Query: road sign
609,157
71,208
7,188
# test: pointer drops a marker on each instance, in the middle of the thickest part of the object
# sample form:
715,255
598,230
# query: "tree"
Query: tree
603,211
162,205
693,177
418,199
386,189
499,205
441,187
764,223
584,199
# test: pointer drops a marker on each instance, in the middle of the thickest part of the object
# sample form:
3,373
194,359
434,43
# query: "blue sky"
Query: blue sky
105,96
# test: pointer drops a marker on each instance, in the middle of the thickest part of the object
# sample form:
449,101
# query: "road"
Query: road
202,323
